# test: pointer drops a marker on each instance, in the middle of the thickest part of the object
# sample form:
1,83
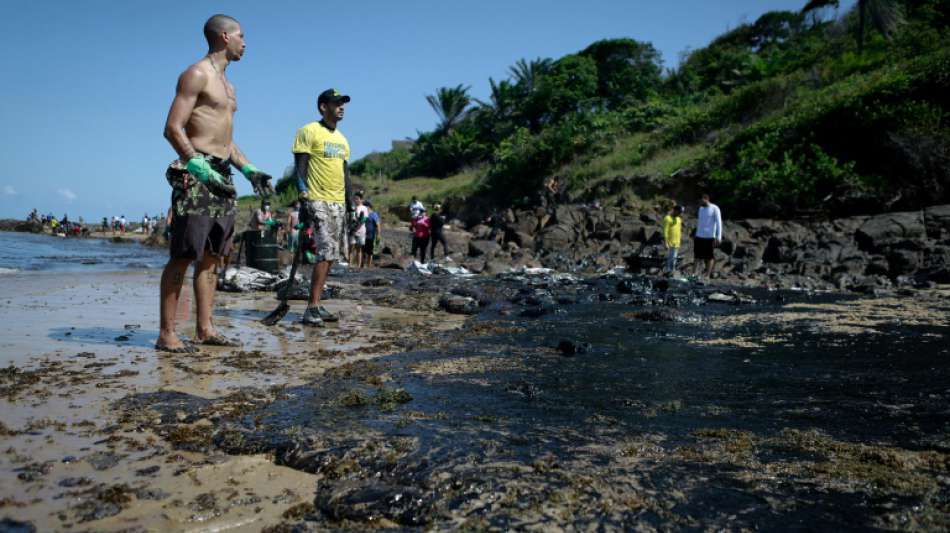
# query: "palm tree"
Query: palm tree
527,73
501,97
886,15
450,104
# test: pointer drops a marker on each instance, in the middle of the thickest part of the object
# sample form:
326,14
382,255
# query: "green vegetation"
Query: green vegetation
787,115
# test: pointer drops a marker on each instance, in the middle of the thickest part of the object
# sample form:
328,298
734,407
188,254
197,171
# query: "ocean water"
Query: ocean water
29,252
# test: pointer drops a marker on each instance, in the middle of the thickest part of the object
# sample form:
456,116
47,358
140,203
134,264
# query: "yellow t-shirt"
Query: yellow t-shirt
672,230
328,150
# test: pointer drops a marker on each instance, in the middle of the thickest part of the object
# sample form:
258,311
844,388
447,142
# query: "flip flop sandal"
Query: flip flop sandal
186,348
219,340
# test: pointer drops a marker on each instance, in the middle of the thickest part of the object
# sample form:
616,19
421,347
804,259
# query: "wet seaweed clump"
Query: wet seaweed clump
250,360
192,438
14,381
102,501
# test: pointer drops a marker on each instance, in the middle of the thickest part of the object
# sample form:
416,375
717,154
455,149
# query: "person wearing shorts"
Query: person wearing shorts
199,128
708,235
321,155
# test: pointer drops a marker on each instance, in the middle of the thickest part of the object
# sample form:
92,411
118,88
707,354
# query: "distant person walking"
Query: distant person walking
437,230
420,227
321,155
672,234
199,127
373,231
708,235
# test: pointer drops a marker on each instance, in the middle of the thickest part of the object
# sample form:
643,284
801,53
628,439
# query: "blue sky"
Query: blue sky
87,84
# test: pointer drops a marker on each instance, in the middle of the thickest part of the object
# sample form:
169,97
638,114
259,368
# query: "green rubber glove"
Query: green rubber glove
259,180
199,167
270,222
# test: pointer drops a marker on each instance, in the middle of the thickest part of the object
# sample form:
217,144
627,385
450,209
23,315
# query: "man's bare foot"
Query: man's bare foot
213,338
172,344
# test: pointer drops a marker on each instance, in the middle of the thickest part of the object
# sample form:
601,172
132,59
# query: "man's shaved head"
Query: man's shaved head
218,24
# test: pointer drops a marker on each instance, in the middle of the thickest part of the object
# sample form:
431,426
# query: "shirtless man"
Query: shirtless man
199,128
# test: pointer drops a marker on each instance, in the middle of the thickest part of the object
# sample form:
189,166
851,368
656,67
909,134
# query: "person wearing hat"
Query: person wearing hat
321,155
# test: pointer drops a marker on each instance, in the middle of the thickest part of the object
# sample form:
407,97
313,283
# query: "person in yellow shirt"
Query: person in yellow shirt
672,233
321,155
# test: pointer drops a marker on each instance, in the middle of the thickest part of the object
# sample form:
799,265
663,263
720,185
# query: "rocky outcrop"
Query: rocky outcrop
858,253
8,224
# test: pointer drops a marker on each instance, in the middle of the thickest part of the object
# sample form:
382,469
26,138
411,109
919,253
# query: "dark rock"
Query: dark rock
103,460
569,347
462,305
377,282
70,482
937,222
536,312
9,525
558,237
661,314
486,248
370,500
882,230
148,471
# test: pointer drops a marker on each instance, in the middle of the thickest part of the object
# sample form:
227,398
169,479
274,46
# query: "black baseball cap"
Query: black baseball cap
332,96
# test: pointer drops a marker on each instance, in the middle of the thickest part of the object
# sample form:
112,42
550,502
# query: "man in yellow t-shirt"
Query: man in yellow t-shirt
672,235
321,153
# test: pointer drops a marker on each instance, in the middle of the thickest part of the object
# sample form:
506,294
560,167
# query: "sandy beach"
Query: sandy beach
89,338
555,402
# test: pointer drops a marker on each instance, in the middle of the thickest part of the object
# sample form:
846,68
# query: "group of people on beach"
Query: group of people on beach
707,236
329,220
364,228
427,230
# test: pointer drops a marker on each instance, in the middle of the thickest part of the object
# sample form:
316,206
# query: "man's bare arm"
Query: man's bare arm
190,84
238,159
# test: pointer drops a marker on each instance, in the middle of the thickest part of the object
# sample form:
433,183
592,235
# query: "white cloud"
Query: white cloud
9,190
67,194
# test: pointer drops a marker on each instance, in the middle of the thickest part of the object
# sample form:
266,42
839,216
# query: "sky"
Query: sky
87,84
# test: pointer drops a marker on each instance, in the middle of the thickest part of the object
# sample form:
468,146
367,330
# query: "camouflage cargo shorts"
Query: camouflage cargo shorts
330,229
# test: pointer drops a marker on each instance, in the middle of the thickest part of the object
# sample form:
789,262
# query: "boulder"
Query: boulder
522,239
881,231
460,305
558,237
486,248
937,222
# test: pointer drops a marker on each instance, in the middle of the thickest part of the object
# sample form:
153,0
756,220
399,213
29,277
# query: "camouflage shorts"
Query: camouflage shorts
191,197
329,233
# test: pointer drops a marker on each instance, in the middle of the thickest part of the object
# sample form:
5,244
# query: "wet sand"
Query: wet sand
668,411
74,344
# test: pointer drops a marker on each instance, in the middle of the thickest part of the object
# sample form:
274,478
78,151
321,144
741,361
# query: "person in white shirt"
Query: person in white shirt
358,238
415,207
708,235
